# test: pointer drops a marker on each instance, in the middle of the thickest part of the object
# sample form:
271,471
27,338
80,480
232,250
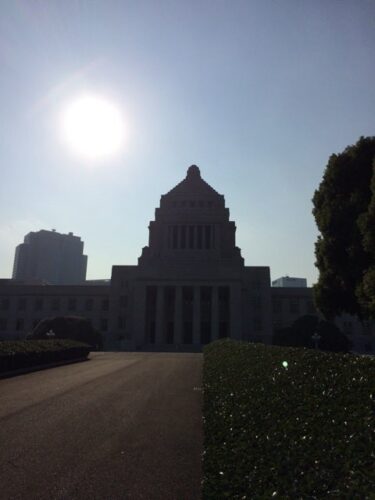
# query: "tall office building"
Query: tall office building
50,257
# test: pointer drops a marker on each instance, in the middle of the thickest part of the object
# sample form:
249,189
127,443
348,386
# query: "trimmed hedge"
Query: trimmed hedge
15,355
286,422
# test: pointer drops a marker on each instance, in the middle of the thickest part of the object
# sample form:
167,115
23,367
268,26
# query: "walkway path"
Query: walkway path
120,426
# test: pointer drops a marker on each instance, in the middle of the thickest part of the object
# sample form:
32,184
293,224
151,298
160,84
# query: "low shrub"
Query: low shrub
286,422
15,355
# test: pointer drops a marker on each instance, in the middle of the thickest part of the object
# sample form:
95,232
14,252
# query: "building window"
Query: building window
187,295
55,306
3,324
20,324
35,322
294,306
257,302
105,304
38,305
224,303
187,332
123,301
257,284
191,236
89,304
170,332
175,237
277,305
104,324
72,304
21,305
207,237
121,322
151,332
200,237
183,237
4,304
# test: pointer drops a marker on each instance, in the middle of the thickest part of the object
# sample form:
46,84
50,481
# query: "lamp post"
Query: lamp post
316,337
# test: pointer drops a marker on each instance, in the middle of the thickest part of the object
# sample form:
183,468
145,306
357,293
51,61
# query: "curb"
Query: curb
30,369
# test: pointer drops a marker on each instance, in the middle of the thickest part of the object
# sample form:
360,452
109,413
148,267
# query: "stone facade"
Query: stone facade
190,286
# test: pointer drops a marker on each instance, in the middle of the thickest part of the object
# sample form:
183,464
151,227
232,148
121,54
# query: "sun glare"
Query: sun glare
92,127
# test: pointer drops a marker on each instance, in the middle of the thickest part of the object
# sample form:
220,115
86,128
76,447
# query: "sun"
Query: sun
92,127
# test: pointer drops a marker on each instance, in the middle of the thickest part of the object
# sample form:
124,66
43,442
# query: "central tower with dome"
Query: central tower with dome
191,285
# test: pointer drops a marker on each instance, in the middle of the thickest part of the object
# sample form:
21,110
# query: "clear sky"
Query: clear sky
257,93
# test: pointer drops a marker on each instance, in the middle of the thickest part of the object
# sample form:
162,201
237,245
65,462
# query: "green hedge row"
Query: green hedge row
15,355
286,422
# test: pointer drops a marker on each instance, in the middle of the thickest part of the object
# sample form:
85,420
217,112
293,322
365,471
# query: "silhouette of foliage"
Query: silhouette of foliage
68,327
23,354
344,210
300,335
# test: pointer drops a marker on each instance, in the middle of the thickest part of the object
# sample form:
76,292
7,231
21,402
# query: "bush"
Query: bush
68,327
15,355
287,423
300,333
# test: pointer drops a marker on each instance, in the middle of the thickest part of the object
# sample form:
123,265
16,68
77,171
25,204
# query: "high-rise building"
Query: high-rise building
50,257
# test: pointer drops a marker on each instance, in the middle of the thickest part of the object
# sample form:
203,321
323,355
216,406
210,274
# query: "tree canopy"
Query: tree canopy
300,333
344,211
68,327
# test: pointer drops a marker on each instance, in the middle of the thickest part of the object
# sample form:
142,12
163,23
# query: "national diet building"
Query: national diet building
190,285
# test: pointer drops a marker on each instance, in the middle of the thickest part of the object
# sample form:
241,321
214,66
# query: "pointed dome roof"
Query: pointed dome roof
193,184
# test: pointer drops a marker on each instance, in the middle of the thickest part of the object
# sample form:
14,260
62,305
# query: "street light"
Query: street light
316,337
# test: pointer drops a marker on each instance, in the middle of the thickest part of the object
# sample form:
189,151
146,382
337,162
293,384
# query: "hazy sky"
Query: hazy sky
258,94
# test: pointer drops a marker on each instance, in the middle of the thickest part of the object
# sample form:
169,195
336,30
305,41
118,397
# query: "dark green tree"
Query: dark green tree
68,327
300,333
344,211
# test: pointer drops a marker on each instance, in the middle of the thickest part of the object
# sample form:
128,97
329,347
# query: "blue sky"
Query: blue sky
258,94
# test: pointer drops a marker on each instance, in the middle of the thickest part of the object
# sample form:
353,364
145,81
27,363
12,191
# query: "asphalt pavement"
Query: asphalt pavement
119,426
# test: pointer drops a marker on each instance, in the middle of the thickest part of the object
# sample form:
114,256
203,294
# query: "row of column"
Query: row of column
220,320
191,237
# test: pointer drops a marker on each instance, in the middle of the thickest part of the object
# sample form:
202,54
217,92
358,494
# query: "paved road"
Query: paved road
120,426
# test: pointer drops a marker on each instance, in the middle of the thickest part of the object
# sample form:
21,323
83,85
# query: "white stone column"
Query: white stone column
178,315
196,316
159,333
215,313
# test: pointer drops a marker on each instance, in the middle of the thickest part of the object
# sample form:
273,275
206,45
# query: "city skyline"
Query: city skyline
258,95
